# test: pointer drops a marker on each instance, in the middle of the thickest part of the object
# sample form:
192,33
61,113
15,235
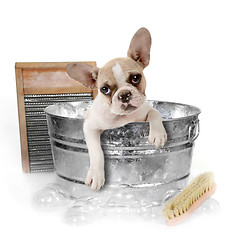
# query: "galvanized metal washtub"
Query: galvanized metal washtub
131,163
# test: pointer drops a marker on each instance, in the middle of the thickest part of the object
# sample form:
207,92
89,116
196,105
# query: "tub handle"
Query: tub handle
193,131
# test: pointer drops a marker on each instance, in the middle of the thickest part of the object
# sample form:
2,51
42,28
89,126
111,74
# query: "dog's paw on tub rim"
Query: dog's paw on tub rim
158,140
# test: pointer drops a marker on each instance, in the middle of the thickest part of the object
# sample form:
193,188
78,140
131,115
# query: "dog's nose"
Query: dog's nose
125,96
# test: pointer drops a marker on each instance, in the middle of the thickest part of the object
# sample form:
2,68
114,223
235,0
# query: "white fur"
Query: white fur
118,73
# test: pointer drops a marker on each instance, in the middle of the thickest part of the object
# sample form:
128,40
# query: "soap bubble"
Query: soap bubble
118,205
146,210
82,201
78,215
97,201
84,198
96,206
135,209
156,214
153,196
208,207
51,196
170,194
121,200
76,190
117,212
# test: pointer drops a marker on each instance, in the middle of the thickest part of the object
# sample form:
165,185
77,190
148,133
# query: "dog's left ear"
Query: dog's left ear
139,49
83,73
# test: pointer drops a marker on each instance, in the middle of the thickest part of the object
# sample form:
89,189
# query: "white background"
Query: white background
193,61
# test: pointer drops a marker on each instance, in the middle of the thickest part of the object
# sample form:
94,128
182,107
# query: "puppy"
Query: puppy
121,100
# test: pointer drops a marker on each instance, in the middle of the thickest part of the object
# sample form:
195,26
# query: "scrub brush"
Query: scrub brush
184,204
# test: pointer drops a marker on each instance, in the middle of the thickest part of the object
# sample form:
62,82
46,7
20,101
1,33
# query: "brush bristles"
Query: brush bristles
183,201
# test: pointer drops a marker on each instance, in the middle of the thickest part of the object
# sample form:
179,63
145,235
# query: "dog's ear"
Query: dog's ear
84,73
139,48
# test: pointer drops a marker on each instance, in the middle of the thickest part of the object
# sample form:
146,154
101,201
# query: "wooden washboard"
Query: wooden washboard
39,85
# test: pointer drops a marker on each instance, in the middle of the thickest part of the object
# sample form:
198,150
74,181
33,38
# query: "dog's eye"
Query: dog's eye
106,90
135,79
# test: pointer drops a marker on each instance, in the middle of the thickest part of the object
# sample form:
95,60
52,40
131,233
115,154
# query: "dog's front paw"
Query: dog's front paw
158,137
95,178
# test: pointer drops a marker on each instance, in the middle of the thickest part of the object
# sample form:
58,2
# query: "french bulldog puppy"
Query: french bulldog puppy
121,100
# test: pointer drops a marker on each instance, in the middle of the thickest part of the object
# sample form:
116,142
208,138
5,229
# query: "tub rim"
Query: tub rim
198,111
